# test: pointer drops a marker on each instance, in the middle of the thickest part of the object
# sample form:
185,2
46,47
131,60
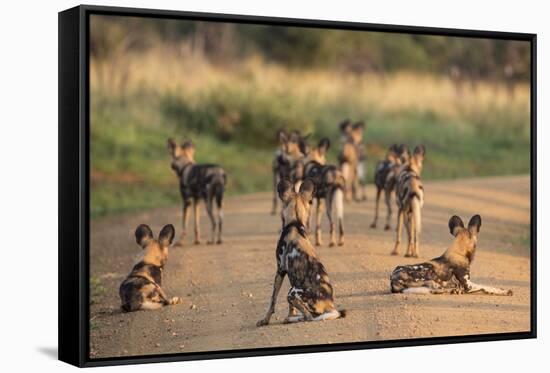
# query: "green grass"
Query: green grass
235,127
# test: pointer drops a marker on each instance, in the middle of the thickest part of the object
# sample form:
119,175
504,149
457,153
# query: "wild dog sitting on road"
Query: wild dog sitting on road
198,182
385,178
141,290
410,199
329,185
310,297
288,161
449,273
352,160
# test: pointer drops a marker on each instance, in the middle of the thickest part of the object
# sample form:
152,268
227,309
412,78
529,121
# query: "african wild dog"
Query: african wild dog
198,182
409,194
352,160
385,178
329,189
449,273
288,161
310,297
141,290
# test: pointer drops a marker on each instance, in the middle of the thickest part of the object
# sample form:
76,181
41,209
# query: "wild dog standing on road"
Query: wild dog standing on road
352,160
141,290
198,182
385,178
310,297
449,273
288,161
410,198
329,189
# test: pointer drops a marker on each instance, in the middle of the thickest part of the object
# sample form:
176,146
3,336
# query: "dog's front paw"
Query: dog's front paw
262,322
176,300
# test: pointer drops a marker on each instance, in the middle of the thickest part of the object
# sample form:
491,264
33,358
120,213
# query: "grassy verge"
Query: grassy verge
233,115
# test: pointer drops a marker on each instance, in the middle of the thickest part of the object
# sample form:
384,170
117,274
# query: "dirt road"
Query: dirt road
226,287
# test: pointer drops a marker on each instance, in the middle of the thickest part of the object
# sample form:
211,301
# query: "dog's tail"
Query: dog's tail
338,200
218,187
416,205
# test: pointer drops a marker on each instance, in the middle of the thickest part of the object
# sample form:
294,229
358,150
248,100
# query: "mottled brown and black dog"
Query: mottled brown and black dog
385,178
352,159
141,290
310,297
449,273
288,160
409,195
329,184
198,182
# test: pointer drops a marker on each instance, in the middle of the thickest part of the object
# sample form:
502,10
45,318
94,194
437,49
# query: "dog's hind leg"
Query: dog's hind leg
210,211
149,306
330,201
196,216
185,218
318,215
398,232
377,205
279,277
298,303
409,226
387,199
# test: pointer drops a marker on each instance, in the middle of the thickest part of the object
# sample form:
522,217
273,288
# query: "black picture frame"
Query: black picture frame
74,183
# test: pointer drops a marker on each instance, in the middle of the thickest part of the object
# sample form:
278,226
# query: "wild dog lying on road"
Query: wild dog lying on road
288,161
310,297
198,182
141,290
449,273
385,178
352,159
410,199
329,185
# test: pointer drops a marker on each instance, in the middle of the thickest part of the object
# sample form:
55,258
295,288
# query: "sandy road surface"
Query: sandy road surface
226,287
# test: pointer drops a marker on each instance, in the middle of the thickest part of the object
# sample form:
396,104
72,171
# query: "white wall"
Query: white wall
28,181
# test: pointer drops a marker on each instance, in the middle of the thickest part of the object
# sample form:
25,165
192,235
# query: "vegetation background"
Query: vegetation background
229,87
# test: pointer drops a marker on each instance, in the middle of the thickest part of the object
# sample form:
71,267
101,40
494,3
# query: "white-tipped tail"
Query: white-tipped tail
418,290
338,201
150,306
416,205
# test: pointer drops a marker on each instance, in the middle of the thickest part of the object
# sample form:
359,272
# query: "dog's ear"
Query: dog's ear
306,189
345,125
285,190
420,150
144,235
455,224
166,235
171,145
324,145
282,136
359,125
475,224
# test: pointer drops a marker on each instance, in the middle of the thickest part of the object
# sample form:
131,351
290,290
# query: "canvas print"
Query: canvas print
258,186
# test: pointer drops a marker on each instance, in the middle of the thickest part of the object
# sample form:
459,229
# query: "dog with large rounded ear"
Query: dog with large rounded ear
285,190
455,225
474,224
345,126
282,136
144,235
171,145
307,188
420,150
166,235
